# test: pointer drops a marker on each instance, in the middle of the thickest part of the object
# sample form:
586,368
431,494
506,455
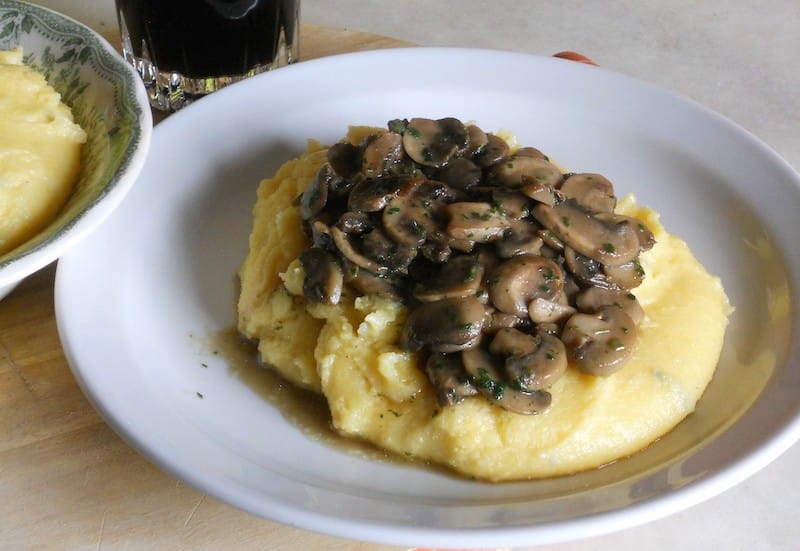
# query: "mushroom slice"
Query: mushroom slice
495,150
600,237
522,171
521,238
395,257
447,325
584,269
314,198
531,152
355,222
411,217
373,251
367,283
372,195
476,139
345,159
434,142
519,280
625,277
498,320
486,375
601,342
594,192
531,363
511,202
541,310
460,173
475,221
646,237
447,375
459,277
593,299
381,153
323,276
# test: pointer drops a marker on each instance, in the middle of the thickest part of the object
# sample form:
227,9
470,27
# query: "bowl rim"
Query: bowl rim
31,256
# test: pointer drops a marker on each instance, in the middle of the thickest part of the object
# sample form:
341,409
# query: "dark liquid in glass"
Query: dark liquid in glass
208,38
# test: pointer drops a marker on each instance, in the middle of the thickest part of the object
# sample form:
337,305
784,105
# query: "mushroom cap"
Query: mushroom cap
380,154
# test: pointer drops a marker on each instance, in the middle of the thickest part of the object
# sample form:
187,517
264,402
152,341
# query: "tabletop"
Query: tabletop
68,481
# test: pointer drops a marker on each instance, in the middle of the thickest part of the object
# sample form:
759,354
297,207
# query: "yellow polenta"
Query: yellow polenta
39,151
378,392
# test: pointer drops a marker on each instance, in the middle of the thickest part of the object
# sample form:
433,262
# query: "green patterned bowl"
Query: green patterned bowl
107,99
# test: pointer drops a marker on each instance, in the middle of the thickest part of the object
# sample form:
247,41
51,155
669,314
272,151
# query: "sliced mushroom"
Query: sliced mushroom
521,171
460,173
372,195
593,299
498,320
516,282
367,283
593,192
357,223
410,217
521,238
475,221
394,257
344,158
531,152
487,377
434,142
447,325
585,270
447,375
646,237
601,342
512,203
625,277
476,140
323,276
541,310
600,236
314,198
531,362
381,154
373,251
460,277
495,150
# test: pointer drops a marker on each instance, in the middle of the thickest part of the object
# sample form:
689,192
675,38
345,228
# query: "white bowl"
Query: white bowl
156,299
108,101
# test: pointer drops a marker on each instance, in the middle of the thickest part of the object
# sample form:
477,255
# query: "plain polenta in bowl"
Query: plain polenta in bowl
465,301
40,151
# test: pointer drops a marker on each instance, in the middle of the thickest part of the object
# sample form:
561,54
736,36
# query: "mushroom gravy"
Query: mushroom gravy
511,268
376,391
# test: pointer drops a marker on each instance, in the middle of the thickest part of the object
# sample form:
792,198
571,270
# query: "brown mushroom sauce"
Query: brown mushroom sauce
510,268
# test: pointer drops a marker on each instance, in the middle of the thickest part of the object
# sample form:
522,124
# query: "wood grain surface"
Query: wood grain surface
67,481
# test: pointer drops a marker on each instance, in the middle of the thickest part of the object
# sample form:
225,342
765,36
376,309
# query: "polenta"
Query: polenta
40,147
354,350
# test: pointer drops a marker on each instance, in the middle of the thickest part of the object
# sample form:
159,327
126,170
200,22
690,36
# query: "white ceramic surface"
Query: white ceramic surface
107,99
132,306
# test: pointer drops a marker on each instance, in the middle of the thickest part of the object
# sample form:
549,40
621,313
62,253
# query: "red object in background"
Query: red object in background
575,56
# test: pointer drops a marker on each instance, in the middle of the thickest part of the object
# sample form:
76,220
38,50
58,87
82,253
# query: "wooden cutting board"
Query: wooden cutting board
66,479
